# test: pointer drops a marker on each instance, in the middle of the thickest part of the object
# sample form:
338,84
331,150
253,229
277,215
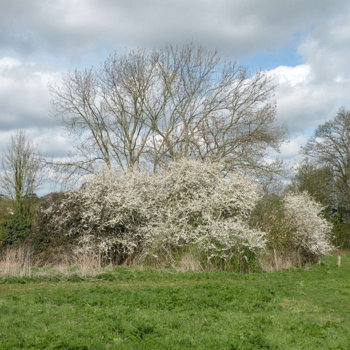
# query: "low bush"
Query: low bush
14,228
271,217
49,240
295,225
312,232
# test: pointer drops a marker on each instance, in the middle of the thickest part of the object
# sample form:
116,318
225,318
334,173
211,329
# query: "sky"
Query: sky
304,46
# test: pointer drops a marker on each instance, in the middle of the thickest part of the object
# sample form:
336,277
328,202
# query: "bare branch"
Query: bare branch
148,108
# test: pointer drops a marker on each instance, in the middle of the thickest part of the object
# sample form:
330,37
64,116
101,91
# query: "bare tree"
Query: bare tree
219,112
148,108
110,111
20,175
330,146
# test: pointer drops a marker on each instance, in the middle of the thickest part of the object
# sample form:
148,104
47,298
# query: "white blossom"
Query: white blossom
189,202
311,230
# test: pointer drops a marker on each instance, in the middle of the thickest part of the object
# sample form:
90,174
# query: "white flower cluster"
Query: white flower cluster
311,230
105,214
197,205
189,202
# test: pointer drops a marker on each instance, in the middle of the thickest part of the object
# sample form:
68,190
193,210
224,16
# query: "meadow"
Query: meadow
130,308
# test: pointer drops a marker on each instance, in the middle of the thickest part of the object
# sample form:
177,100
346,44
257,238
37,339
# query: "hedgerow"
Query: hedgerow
187,206
123,215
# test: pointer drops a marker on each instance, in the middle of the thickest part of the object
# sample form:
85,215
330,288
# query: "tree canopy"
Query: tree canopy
146,108
330,146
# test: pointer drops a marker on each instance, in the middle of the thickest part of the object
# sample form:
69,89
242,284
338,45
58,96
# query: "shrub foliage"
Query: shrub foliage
14,227
294,223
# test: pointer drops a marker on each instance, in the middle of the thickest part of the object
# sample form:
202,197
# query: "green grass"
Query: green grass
132,309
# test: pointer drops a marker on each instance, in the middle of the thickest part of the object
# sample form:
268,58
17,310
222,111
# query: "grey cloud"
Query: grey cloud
236,27
327,49
52,142
24,96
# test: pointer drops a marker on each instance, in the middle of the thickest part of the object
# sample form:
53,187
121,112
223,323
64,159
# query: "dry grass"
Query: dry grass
275,260
16,261
89,265
189,262
19,262
56,256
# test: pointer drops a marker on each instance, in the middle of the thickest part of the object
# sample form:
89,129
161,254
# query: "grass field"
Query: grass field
127,308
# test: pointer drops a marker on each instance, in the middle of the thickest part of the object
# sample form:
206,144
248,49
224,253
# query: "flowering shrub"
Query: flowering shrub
105,214
293,223
187,203
197,205
312,232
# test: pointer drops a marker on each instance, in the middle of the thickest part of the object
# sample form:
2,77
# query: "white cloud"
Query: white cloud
305,101
291,149
292,76
7,63
311,93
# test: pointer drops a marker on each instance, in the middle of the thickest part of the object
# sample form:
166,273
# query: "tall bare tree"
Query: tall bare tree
20,173
148,108
330,146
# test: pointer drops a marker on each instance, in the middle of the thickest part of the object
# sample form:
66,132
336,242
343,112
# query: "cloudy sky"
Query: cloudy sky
304,45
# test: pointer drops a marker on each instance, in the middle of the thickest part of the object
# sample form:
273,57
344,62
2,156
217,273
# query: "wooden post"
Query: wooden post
339,260
275,258
84,263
